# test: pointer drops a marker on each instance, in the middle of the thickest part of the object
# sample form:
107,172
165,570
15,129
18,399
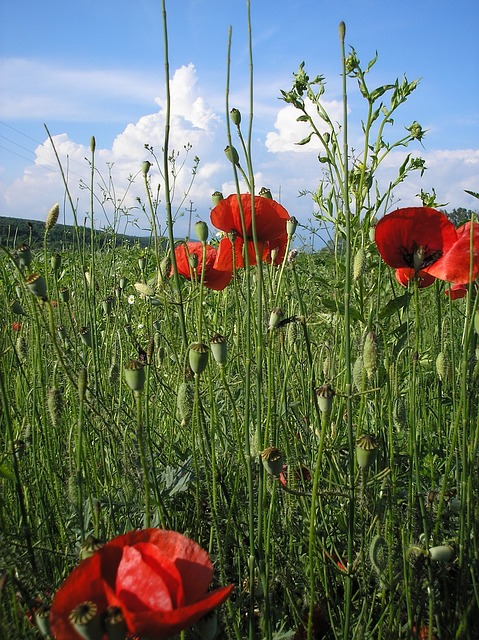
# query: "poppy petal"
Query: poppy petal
405,274
455,266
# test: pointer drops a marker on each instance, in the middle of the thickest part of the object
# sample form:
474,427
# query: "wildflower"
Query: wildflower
405,275
271,220
214,278
456,291
456,265
156,579
131,299
16,326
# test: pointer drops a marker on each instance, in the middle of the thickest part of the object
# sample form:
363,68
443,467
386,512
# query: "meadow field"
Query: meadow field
309,419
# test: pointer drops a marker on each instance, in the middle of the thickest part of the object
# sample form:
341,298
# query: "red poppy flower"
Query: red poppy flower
455,266
415,238
16,326
405,274
215,278
271,233
159,580
456,291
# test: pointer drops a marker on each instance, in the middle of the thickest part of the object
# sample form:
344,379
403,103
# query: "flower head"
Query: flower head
214,278
156,579
456,291
270,217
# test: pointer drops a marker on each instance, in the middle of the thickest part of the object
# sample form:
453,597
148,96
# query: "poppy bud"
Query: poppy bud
24,256
442,553
85,335
366,447
21,347
235,115
184,402
264,192
219,348
272,459
201,229
52,217
193,260
443,367
291,226
378,553
370,353
325,398
216,197
358,370
107,305
358,264
232,154
198,357
134,373
145,167
55,405
85,620
114,623
37,285
56,261
275,318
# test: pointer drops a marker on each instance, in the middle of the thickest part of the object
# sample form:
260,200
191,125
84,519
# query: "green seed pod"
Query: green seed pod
37,285
292,336
150,349
184,402
114,623
135,376
201,230
107,305
55,405
42,620
52,217
291,226
378,554
325,398
443,367
85,336
89,546
216,197
24,256
62,332
198,357
264,192
358,370
232,155
370,354
145,167
366,449
219,348
86,621
92,144
207,627
142,263
193,260
17,308
272,459
22,348
122,283
442,553
64,294
235,115
358,264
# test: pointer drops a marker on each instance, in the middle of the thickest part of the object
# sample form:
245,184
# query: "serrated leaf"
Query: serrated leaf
474,194
394,305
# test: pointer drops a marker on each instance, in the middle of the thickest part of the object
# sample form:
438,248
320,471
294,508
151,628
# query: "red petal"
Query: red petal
456,291
159,625
455,264
404,275
270,216
403,231
83,583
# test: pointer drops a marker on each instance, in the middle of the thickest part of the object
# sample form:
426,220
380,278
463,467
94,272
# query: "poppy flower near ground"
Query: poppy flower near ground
415,238
456,291
214,278
271,218
16,326
405,274
158,580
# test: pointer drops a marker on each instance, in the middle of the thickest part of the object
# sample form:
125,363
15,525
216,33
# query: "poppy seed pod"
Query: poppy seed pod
64,294
42,620
56,261
216,197
219,348
37,285
85,335
17,308
235,115
291,226
201,230
232,154
135,376
442,553
193,260
85,620
264,192
366,447
114,623
24,256
145,167
272,459
89,546
325,398
198,357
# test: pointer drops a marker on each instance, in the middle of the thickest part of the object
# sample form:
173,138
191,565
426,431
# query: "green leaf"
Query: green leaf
474,194
6,473
306,140
394,305
302,119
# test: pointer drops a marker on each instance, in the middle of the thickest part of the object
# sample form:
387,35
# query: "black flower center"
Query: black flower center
420,257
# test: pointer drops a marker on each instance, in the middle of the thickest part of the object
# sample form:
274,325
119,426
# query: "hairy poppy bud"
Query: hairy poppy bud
184,402
275,318
370,353
55,405
358,264
52,217
442,553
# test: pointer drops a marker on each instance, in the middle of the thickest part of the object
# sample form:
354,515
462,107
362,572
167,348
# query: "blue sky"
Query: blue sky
98,69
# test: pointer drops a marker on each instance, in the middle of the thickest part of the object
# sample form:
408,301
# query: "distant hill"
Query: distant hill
17,231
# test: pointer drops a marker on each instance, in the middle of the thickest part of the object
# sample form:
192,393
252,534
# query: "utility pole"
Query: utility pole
190,213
